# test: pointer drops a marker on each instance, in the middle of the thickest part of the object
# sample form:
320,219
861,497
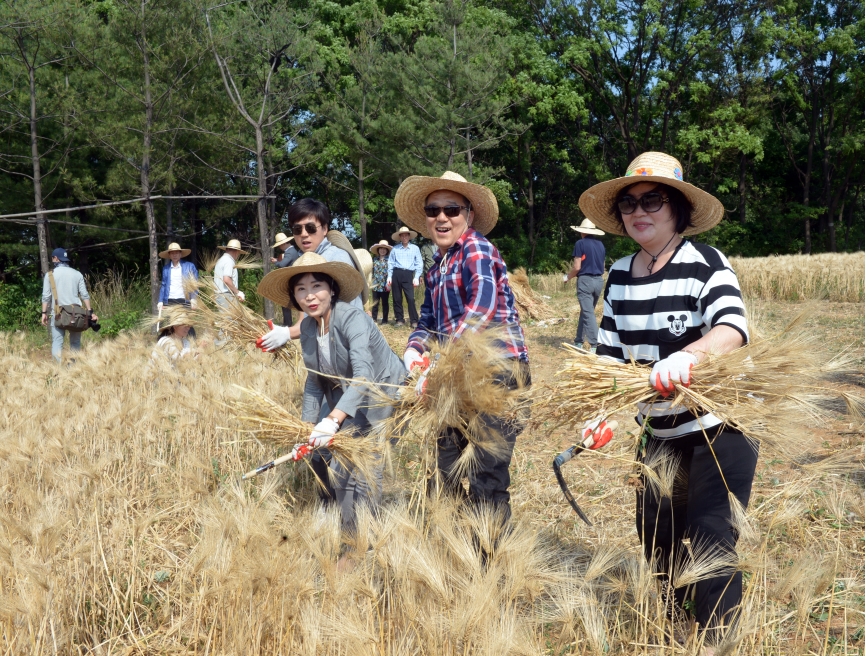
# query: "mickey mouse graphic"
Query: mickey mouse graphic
678,325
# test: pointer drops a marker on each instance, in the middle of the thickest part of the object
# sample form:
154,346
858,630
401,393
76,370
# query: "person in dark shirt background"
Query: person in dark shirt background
588,266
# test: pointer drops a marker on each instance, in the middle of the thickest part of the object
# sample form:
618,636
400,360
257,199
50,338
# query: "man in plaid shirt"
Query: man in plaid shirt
466,289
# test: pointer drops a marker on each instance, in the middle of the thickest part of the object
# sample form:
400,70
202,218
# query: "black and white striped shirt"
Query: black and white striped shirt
652,317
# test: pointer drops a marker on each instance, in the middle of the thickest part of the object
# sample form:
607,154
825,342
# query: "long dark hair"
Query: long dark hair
681,207
318,277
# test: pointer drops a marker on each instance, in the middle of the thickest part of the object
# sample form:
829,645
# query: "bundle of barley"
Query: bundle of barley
764,389
530,304
238,326
464,389
272,422
244,262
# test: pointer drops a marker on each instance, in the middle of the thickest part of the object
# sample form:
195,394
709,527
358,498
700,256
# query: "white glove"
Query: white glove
323,433
674,369
299,451
241,296
597,432
411,358
564,277
421,385
274,339
388,285
415,282
159,306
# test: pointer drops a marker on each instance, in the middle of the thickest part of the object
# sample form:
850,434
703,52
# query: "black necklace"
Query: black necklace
653,258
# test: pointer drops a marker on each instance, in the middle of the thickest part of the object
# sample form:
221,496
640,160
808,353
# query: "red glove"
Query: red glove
300,451
259,340
676,368
597,433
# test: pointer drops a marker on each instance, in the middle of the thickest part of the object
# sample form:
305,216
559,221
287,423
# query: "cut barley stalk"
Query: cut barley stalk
764,389
271,422
530,304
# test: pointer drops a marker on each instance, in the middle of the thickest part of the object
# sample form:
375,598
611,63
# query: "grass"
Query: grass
124,527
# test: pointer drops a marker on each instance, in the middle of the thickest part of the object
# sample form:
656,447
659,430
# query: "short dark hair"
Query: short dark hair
310,207
318,277
466,201
681,207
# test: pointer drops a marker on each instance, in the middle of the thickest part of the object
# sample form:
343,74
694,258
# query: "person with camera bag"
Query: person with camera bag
64,291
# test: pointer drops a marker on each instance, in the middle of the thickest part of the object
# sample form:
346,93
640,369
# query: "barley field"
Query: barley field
125,527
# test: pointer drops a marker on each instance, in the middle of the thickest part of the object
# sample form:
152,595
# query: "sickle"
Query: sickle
558,462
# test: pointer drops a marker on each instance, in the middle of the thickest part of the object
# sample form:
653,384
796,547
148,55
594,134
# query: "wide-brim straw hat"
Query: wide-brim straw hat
374,249
412,195
587,227
597,201
233,244
275,285
404,231
171,315
342,242
174,247
366,261
281,239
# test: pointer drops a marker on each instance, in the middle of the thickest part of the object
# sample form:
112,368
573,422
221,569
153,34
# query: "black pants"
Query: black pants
186,304
401,280
489,478
383,298
699,511
287,316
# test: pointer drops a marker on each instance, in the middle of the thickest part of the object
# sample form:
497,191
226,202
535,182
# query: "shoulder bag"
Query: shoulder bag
74,318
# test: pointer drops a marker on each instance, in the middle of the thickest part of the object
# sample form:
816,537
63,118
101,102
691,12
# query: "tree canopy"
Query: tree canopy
218,116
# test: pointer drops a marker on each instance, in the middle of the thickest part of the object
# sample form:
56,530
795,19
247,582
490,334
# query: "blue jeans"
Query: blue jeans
57,335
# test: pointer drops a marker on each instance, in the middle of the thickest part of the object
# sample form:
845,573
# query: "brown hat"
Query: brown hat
587,227
382,244
597,201
281,239
275,285
174,247
233,245
412,194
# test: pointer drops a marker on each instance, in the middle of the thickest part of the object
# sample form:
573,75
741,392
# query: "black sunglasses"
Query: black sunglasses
432,211
311,228
650,202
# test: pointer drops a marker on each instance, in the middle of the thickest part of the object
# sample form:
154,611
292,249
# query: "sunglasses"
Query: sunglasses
311,228
432,211
651,202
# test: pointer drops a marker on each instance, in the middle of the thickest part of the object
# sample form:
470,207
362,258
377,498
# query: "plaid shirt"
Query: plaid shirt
472,290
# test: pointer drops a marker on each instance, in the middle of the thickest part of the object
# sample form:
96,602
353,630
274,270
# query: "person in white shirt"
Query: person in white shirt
225,274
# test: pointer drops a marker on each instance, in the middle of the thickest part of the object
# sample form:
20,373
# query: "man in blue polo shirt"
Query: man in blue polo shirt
405,268
588,266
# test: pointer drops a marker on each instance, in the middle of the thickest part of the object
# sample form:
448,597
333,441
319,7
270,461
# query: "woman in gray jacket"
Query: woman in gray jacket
341,346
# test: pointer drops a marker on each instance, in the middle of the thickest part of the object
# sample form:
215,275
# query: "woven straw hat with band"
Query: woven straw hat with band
366,261
412,195
404,231
342,242
275,285
587,227
382,244
233,244
281,239
597,201
174,247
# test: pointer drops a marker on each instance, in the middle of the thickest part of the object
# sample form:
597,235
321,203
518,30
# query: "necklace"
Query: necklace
655,257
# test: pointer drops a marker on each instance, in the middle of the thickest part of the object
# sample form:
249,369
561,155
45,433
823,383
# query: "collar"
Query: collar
456,246
323,246
179,263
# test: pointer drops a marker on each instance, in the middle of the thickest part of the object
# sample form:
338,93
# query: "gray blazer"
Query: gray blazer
358,351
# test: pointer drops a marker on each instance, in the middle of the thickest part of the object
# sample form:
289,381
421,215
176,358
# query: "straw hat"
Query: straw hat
382,244
174,246
281,239
412,194
404,231
275,285
587,227
650,167
171,315
366,261
233,244
342,242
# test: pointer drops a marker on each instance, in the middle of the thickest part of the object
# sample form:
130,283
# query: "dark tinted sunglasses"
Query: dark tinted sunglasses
432,211
651,202
311,228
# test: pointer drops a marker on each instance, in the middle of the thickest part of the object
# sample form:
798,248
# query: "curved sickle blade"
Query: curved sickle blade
560,460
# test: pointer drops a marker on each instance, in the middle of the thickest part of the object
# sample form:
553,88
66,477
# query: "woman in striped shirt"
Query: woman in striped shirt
672,304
